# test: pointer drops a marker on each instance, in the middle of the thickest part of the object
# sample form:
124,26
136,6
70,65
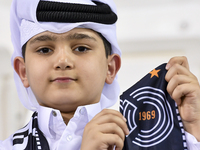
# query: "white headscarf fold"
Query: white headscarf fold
24,25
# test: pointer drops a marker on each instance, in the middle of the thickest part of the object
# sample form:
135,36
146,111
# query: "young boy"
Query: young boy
65,71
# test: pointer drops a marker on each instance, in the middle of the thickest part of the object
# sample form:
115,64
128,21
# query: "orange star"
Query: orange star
154,73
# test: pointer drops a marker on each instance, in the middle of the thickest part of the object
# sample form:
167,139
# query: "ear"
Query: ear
20,68
114,64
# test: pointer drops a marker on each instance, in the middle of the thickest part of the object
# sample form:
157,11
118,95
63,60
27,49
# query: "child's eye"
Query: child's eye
81,49
44,50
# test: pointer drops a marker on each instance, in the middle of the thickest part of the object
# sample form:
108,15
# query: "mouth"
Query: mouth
63,80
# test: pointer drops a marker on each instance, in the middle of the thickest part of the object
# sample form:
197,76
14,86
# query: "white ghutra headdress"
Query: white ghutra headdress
29,20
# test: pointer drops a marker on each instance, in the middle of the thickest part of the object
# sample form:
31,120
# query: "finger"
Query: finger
177,80
177,70
110,118
109,111
184,92
178,60
113,140
112,128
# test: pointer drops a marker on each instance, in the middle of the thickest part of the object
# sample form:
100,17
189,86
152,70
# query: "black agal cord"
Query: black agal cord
48,11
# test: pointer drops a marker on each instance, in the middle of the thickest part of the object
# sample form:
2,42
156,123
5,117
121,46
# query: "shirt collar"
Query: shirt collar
47,117
51,123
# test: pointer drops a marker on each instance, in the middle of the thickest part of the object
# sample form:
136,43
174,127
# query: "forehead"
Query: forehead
74,34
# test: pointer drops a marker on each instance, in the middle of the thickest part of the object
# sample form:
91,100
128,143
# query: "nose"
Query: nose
64,60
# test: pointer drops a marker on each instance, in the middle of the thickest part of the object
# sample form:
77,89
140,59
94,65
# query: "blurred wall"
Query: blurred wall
12,113
149,33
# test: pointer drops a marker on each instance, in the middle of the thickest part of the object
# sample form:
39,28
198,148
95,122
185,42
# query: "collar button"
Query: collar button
69,138
54,113
82,111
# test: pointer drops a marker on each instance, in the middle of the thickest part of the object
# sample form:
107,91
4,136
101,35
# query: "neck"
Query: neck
67,116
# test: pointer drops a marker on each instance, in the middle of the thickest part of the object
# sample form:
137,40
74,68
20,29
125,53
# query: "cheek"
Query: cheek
36,74
96,70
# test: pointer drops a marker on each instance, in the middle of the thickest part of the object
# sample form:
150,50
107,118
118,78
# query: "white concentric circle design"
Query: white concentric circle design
156,99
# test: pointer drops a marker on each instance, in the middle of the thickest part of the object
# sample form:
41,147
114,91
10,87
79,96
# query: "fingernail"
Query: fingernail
167,66
127,131
124,119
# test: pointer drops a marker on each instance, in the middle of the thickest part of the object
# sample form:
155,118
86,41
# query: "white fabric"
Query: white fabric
192,142
24,25
60,136
57,133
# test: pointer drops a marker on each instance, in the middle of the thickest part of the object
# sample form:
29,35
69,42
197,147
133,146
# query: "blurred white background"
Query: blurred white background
150,32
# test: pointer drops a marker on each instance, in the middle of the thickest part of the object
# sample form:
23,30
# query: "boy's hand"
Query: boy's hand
184,88
106,130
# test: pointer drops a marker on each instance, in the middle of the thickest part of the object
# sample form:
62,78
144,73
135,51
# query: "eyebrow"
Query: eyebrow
43,38
75,36
79,36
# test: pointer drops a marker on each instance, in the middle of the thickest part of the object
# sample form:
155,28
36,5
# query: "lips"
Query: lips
63,80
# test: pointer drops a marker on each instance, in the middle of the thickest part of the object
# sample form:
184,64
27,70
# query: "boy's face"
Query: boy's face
66,70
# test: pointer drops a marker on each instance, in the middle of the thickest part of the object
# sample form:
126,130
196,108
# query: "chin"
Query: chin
65,104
